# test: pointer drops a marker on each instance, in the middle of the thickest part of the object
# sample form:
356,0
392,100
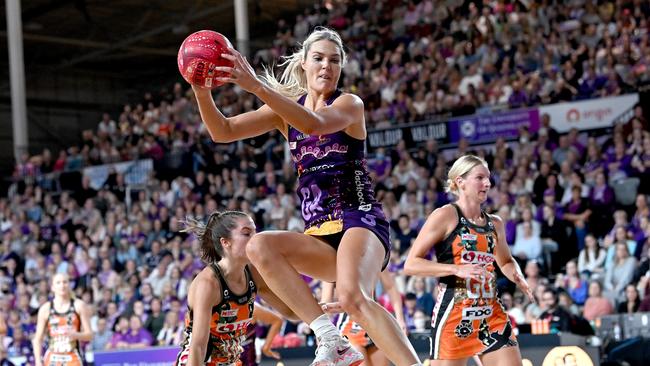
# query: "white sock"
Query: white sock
322,326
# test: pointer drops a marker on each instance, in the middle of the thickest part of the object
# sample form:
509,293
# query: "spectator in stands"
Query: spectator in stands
527,246
602,203
177,282
554,238
620,274
136,336
619,163
103,335
404,234
171,333
514,306
424,299
156,318
536,308
20,346
596,305
611,241
559,318
160,275
632,300
577,213
593,165
410,309
567,303
527,217
592,257
644,283
120,330
572,283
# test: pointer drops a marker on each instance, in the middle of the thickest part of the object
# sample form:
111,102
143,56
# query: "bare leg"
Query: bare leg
461,362
376,357
280,256
503,356
359,259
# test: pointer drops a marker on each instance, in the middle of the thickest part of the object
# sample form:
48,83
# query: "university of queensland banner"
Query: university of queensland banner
486,128
157,356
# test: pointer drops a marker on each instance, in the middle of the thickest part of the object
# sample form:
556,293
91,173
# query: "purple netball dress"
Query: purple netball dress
334,185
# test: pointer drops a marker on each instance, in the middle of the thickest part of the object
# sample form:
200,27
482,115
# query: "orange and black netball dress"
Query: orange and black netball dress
61,350
468,318
351,329
228,325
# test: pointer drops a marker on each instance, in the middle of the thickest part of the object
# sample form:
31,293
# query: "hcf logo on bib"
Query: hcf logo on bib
474,257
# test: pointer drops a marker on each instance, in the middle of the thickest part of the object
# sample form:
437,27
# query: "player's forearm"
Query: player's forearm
214,120
84,336
423,267
195,358
36,346
274,329
510,268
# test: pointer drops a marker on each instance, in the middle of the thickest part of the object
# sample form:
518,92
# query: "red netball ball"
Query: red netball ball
199,54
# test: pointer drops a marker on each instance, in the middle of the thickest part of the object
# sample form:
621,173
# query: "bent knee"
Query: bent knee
352,300
262,248
259,248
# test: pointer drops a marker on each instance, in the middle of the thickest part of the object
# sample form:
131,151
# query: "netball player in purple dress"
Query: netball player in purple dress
346,234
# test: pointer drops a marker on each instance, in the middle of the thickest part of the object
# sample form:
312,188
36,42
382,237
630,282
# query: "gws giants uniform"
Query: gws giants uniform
468,318
334,186
61,350
228,325
351,329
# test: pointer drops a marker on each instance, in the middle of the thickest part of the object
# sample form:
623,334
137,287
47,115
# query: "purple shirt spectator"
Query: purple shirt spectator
141,336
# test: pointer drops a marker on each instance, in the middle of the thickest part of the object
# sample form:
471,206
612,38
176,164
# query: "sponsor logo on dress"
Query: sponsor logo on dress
359,186
470,237
477,313
229,313
474,257
233,327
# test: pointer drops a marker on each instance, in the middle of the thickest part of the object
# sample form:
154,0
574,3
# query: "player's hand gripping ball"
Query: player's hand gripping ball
199,54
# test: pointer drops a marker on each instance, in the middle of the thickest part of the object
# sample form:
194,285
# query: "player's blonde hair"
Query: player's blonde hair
293,82
462,166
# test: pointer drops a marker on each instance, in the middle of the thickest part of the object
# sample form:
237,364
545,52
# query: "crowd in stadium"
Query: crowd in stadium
556,192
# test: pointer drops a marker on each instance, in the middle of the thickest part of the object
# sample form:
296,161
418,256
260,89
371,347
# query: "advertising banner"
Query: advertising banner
135,172
588,114
158,356
411,134
488,127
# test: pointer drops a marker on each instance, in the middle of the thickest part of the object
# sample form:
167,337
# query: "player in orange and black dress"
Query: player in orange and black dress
66,321
221,298
468,318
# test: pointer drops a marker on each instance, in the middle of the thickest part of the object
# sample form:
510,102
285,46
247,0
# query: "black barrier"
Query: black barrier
411,134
